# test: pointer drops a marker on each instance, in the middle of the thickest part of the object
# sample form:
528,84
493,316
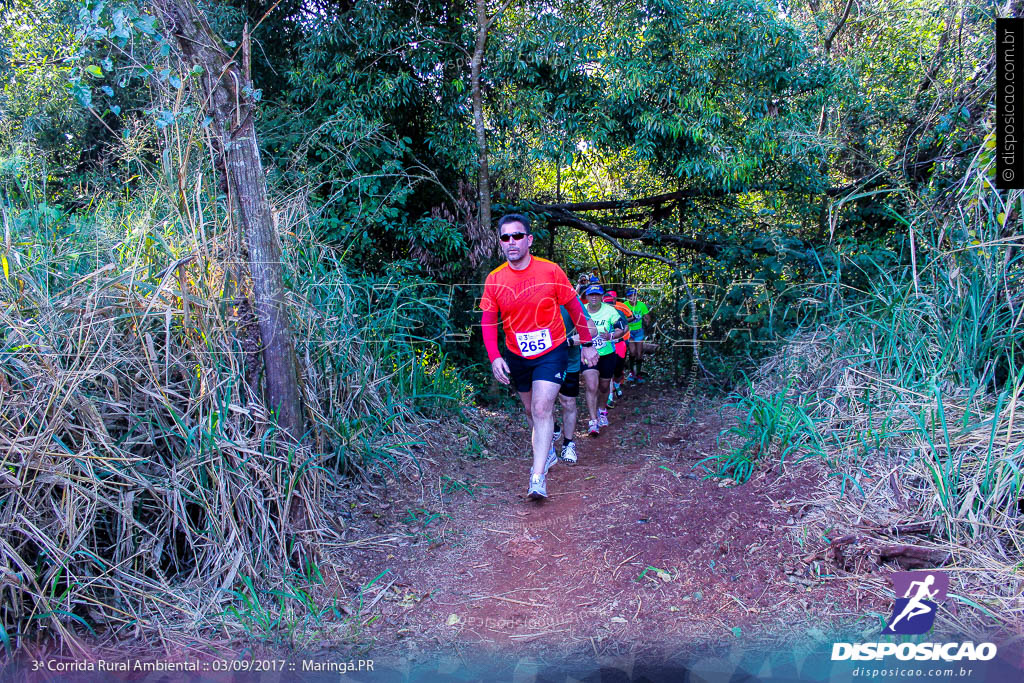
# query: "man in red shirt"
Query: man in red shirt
527,292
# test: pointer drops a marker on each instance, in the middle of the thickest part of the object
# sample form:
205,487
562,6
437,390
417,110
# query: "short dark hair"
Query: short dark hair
515,218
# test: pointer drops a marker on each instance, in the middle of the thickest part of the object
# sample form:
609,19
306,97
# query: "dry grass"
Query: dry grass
142,493
916,395
895,466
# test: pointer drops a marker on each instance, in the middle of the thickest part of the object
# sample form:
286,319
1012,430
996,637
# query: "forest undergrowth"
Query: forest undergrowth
144,491
910,393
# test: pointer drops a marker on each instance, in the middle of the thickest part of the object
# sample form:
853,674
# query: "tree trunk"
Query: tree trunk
823,119
228,101
476,66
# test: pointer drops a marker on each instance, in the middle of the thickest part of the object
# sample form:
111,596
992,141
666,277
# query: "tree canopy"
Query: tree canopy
728,139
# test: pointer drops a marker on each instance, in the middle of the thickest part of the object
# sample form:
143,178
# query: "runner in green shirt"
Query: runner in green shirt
597,378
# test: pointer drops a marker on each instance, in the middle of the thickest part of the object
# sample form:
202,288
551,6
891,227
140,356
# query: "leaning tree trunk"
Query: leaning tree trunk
229,102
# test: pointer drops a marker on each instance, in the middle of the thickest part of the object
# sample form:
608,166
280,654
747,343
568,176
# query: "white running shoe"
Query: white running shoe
568,455
538,487
593,429
602,418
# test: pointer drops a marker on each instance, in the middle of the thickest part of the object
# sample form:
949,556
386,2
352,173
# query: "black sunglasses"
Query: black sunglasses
512,236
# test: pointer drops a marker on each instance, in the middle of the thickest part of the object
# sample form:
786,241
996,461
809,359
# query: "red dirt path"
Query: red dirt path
632,552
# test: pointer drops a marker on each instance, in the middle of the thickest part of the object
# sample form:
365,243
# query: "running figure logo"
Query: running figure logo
914,613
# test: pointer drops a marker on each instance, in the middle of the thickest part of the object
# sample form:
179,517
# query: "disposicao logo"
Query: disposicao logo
914,614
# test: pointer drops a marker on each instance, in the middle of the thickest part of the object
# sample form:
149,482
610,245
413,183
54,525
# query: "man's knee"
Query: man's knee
542,409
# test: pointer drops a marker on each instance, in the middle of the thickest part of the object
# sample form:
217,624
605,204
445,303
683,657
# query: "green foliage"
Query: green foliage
383,130
399,319
423,518
772,426
121,296
290,615
949,317
432,383
36,104
664,88
922,369
451,485
276,31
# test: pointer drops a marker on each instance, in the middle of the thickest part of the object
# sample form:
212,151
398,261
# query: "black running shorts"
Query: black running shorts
550,368
605,366
571,385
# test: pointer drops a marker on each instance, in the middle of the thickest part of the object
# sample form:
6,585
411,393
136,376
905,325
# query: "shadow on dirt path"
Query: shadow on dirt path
633,551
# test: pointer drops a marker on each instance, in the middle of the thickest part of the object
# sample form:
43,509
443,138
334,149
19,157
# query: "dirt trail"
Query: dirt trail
631,552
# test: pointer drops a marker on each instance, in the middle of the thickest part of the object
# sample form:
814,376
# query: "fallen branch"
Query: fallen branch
912,557
906,556
691,193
